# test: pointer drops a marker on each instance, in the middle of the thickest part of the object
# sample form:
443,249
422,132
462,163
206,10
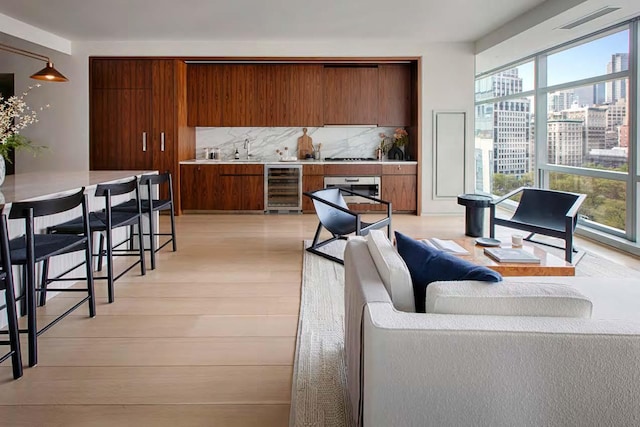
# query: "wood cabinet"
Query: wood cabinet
299,94
350,94
120,73
353,170
289,95
255,95
204,94
312,179
394,95
208,187
399,185
241,187
198,189
138,116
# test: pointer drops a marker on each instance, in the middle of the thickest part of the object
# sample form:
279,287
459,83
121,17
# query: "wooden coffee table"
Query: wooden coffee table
550,265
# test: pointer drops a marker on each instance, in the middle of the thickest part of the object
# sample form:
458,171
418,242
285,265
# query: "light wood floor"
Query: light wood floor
206,339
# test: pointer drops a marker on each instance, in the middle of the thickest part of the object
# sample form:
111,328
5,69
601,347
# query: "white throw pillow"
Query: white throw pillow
507,298
392,270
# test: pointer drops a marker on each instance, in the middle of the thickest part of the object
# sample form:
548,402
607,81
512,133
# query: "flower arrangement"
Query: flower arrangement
400,138
16,115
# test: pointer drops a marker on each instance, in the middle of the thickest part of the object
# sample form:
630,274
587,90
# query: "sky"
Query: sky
580,62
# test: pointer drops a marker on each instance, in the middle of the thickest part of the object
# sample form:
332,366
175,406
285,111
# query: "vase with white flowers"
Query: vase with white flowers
15,115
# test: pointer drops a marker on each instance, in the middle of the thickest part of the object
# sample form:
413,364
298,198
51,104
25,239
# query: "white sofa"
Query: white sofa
416,369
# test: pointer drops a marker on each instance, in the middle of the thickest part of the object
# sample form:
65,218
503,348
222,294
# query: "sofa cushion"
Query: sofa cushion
508,298
428,265
392,270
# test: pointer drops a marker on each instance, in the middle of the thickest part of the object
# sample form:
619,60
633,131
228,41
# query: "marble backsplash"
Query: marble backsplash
336,141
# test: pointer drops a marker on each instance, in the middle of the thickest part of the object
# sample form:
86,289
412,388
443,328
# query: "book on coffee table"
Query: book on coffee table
446,246
511,255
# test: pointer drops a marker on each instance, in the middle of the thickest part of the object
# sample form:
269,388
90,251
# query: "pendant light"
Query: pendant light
48,73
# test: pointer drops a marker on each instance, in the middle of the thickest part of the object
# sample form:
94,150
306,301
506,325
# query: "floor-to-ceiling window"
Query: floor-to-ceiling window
565,119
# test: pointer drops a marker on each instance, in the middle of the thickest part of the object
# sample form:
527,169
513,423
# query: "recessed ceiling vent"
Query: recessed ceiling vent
589,17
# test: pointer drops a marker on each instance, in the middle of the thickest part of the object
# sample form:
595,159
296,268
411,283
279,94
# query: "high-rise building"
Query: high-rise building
616,116
505,122
616,89
561,100
564,142
594,120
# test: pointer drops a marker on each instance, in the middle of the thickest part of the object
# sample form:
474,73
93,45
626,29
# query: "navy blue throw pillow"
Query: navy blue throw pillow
428,265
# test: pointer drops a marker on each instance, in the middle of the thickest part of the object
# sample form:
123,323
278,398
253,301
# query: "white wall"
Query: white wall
447,84
63,127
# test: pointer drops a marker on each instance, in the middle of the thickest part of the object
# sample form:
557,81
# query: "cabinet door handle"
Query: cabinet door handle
162,141
144,141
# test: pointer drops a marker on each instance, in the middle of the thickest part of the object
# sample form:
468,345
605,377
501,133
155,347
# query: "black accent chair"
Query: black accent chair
547,212
151,205
104,222
31,248
6,284
335,216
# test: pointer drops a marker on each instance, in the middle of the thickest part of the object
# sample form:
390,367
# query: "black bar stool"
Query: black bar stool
104,222
6,283
32,248
164,185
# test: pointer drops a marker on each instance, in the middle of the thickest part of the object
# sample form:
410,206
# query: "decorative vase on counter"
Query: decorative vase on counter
3,170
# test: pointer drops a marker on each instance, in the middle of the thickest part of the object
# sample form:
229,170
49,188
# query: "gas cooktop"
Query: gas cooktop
349,159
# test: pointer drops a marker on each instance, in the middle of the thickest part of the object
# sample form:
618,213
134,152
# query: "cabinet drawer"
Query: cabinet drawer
352,170
312,170
240,169
399,169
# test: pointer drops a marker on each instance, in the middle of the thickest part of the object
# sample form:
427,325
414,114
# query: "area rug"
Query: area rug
319,394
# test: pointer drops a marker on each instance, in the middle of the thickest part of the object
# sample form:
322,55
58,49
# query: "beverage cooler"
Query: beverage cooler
282,188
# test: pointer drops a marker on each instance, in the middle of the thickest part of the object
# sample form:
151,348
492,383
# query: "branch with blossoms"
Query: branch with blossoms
386,143
16,115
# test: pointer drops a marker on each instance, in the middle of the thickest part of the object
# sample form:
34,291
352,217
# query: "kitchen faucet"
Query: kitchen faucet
247,146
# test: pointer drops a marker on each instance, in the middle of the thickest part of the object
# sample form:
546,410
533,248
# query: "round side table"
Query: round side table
475,205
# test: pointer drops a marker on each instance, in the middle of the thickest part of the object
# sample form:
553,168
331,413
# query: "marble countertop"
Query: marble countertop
26,186
295,162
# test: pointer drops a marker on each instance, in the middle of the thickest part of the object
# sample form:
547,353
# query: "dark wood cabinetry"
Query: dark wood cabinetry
241,187
222,187
350,95
120,74
205,94
289,95
312,179
394,95
239,89
255,95
399,185
299,94
138,116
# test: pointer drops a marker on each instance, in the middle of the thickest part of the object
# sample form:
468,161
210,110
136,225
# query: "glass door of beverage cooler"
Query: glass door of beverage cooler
283,188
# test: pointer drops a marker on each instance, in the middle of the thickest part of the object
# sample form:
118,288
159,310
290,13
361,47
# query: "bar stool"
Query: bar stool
151,205
31,248
104,222
6,283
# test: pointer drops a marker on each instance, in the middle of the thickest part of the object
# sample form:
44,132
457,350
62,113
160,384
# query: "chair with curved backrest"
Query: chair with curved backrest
547,212
163,203
31,248
6,284
335,217
104,222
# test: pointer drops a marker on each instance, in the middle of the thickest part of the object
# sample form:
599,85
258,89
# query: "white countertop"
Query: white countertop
296,162
25,186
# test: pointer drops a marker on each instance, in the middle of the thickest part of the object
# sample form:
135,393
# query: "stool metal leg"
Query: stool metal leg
173,229
152,240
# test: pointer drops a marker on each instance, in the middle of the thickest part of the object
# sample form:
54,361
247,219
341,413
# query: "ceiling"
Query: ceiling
138,20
